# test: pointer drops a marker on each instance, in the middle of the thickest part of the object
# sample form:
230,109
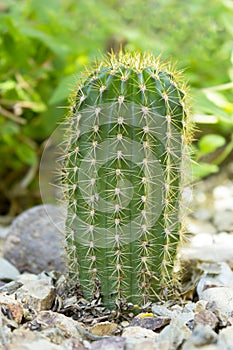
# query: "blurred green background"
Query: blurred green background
45,44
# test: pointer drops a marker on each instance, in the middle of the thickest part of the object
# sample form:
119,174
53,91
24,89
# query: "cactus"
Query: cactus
123,172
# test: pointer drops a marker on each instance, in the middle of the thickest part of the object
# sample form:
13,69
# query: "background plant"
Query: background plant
45,44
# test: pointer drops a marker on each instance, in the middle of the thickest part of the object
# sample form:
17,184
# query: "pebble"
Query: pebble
12,308
53,320
183,314
27,340
112,343
104,328
3,231
208,247
205,317
173,335
35,240
8,272
215,275
223,220
137,344
198,226
201,335
222,297
152,323
225,340
161,310
36,291
138,332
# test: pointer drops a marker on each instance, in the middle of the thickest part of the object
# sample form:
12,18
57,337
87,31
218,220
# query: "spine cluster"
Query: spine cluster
127,136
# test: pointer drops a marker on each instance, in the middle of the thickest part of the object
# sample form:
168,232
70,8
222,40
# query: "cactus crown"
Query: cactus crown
123,167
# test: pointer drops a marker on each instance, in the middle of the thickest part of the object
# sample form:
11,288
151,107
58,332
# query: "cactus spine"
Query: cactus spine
123,167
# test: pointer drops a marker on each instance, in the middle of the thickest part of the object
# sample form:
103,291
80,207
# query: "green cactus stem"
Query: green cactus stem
123,172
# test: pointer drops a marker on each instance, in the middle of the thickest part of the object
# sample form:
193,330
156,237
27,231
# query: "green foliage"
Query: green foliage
123,173
45,44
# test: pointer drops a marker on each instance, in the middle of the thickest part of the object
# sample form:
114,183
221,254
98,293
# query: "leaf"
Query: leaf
57,47
26,154
201,169
210,143
7,85
219,100
63,90
9,129
204,106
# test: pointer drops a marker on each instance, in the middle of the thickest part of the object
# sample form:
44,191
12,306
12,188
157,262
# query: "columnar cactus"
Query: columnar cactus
123,169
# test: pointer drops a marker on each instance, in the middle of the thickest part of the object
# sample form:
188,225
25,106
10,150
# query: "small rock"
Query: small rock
205,317
138,332
222,297
223,318
225,340
201,335
112,343
208,247
174,335
37,291
200,305
12,308
8,272
184,314
50,331
223,220
27,340
215,275
152,323
199,226
35,241
4,232
10,287
137,344
104,328
54,320
203,214
161,310
204,347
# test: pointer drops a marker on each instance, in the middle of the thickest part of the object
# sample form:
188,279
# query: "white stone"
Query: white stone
37,291
222,297
7,270
138,332
225,340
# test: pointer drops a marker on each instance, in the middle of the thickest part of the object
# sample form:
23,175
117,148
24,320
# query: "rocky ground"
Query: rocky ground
37,312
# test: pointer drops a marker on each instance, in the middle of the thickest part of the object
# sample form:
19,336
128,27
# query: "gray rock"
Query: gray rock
141,344
12,308
35,240
184,314
223,220
198,226
173,336
222,297
225,340
202,335
25,340
8,272
161,310
36,291
208,247
215,275
112,343
53,320
138,332
4,232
